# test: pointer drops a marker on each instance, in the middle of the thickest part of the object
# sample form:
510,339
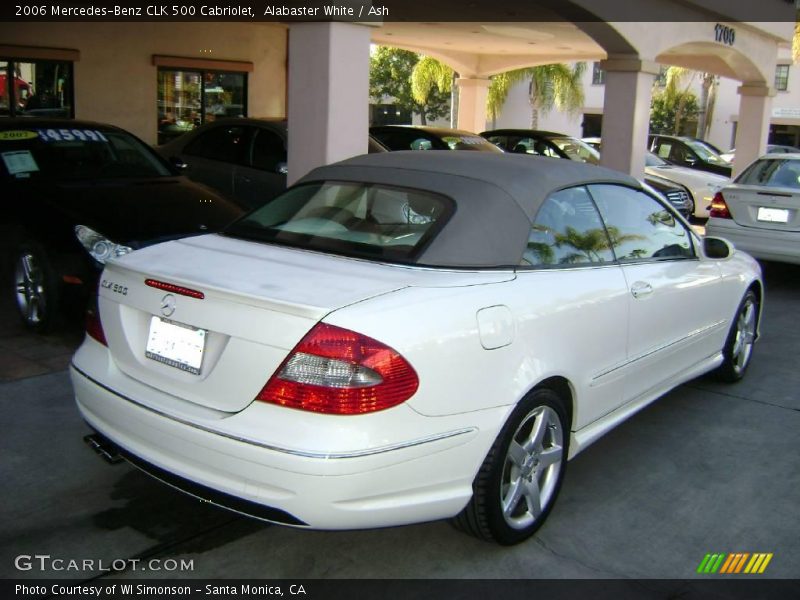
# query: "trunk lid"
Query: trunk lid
258,301
764,207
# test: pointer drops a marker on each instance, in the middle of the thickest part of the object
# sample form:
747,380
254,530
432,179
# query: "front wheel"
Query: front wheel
519,480
35,287
738,350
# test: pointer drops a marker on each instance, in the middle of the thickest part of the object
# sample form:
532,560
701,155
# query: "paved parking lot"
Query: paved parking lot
709,468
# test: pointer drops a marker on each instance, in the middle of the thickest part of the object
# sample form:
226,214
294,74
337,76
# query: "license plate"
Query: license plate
175,344
773,215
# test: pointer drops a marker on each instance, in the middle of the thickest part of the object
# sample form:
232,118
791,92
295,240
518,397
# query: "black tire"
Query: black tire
484,516
738,350
35,287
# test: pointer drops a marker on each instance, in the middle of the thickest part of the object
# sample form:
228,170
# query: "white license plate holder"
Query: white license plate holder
772,215
176,345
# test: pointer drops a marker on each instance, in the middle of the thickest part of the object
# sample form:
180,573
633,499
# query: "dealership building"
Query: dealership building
159,79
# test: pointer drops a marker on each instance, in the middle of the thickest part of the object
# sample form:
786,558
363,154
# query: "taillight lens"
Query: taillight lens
94,327
338,371
719,208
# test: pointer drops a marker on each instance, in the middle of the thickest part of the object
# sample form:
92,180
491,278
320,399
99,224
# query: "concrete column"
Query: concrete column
626,113
755,110
328,104
472,95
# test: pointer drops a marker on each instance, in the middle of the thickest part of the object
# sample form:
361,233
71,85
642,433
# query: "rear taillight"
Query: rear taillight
94,327
719,208
338,371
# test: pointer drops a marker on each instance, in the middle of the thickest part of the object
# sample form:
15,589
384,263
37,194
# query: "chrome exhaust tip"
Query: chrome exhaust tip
105,448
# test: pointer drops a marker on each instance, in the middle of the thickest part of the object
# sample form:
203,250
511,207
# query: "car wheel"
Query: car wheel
522,474
35,287
738,350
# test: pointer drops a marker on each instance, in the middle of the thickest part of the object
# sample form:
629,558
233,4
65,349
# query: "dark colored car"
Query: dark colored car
559,145
688,152
242,158
406,137
78,193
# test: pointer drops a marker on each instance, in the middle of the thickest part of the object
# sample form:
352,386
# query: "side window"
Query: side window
227,144
501,141
640,227
268,150
567,231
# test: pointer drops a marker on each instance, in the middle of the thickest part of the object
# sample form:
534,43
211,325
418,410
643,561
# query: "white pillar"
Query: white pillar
472,94
328,104
626,113
755,109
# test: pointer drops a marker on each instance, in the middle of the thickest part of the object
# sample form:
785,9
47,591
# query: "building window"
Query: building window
782,78
36,87
598,74
188,98
661,78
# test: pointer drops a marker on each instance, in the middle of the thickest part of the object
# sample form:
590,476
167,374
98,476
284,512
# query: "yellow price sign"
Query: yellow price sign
13,135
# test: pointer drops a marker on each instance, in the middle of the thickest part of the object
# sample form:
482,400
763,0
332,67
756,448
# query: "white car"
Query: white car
702,185
409,336
760,211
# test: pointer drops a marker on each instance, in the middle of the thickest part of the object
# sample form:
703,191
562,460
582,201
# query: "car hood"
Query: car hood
139,212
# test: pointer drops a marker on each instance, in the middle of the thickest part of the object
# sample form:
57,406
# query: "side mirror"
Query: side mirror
177,163
690,161
717,248
282,168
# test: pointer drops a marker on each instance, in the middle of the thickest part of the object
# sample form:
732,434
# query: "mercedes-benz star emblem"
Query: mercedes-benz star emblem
168,305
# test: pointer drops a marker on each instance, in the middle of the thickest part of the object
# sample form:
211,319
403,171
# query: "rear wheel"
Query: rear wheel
519,480
35,287
738,349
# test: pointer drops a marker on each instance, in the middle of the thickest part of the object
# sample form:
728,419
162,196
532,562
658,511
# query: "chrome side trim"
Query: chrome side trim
695,333
290,451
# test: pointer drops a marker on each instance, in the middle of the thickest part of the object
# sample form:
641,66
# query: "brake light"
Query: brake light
719,208
338,371
175,289
94,326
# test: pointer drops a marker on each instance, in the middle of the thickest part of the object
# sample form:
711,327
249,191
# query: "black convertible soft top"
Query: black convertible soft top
497,196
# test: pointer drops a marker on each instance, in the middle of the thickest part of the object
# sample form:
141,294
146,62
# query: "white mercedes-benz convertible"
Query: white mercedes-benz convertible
409,336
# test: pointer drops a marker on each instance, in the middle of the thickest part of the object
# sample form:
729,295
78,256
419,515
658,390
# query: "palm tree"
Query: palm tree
676,76
427,75
552,86
555,86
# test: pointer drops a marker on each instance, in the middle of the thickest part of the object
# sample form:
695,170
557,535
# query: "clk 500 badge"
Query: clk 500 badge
114,287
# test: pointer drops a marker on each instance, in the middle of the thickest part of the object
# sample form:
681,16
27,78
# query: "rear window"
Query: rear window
75,153
772,173
372,221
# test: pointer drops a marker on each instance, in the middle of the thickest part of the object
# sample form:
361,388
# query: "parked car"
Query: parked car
542,143
701,185
242,158
771,149
407,137
760,211
409,336
559,145
688,152
77,193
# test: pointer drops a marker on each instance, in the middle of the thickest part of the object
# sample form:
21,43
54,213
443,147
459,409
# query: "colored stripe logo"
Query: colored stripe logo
735,563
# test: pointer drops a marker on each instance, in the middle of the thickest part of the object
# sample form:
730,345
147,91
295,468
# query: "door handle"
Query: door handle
244,179
641,288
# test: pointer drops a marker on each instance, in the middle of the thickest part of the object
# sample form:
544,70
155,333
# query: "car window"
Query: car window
639,226
354,219
651,160
76,153
567,231
501,141
577,149
529,145
268,150
475,143
773,173
404,139
226,144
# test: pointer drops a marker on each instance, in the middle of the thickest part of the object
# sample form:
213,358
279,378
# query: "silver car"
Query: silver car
760,211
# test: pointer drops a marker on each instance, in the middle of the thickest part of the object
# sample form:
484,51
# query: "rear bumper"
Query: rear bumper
780,246
423,480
